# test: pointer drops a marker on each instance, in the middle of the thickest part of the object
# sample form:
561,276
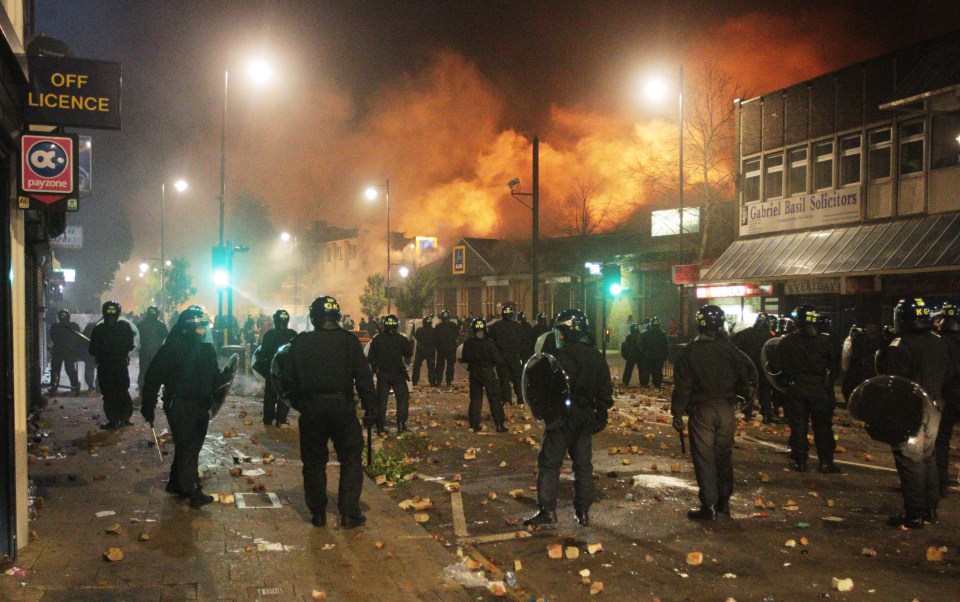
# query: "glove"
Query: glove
148,413
600,416
369,419
678,423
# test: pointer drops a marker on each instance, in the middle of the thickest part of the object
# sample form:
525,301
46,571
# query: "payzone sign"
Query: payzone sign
48,167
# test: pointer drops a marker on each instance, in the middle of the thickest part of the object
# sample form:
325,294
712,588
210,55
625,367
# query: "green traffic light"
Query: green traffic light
615,289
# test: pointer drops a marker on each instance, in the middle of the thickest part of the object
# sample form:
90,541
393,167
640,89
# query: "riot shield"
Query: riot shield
766,354
746,393
226,380
260,364
892,407
281,375
546,387
546,343
79,343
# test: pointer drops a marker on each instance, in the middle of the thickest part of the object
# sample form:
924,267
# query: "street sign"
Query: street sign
49,172
73,92
460,259
72,238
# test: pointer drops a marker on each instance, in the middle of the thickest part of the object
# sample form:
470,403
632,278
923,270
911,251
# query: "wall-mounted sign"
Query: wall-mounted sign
72,238
459,255
798,212
49,172
686,274
74,92
812,286
734,290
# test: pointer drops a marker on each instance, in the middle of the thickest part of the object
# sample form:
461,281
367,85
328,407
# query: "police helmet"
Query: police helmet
444,315
281,318
634,328
63,315
324,308
542,317
507,312
786,325
571,324
948,317
111,309
391,324
807,319
521,315
772,321
711,318
911,315
762,321
478,325
193,318
655,321
825,323
425,321
153,311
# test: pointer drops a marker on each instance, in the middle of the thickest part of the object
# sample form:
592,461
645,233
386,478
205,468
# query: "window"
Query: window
338,253
945,151
879,154
666,222
329,254
751,180
797,171
850,159
773,176
911,147
823,170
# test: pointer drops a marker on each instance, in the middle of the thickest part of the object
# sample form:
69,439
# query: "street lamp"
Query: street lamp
179,186
404,271
534,208
371,193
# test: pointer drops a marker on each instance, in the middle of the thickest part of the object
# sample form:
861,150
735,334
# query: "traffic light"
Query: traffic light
221,267
611,279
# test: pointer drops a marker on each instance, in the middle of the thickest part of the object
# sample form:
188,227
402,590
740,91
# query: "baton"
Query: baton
156,442
683,444
370,447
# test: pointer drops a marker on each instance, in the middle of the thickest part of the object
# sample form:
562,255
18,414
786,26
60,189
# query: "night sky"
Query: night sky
440,97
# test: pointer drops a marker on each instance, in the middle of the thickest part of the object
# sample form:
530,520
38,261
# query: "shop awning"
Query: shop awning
904,245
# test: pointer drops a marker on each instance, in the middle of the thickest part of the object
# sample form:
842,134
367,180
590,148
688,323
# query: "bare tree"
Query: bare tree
584,214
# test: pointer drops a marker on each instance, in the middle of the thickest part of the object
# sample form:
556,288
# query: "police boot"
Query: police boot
501,428
54,387
800,465
174,489
829,468
199,499
543,518
319,520
705,512
910,520
723,505
351,522
583,516
930,516
401,427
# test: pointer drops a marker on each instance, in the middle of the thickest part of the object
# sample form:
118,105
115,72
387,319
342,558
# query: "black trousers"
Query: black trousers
917,467
319,423
484,379
398,382
573,436
807,401
90,373
59,361
115,388
628,372
712,427
948,419
273,408
188,423
765,395
446,360
651,368
427,355
510,372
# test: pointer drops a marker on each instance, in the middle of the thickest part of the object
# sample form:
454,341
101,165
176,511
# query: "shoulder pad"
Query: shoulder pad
895,342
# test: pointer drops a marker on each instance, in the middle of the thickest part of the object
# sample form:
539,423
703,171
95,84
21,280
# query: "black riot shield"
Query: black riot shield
226,380
766,354
746,391
281,374
546,388
259,363
892,407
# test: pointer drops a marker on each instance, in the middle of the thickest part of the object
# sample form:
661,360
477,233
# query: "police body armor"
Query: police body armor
546,388
775,380
226,380
891,406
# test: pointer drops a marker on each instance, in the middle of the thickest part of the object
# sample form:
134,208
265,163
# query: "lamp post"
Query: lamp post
534,208
371,194
179,186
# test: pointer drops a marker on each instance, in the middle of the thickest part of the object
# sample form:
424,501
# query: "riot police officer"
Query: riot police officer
426,352
805,359
591,397
447,335
111,343
631,353
482,356
320,370
541,326
389,355
920,355
751,342
64,339
152,334
508,335
527,339
274,410
947,321
710,373
186,367
654,350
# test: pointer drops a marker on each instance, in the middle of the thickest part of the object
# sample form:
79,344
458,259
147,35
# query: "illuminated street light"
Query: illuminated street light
404,271
371,193
260,71
656,89
168,263
180,185
127,278
285,236
221,278
144,266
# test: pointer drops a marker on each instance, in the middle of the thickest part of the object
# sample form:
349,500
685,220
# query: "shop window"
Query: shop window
797,171
850,159
945,141
773,176
911,147
823,169
751,180
879,154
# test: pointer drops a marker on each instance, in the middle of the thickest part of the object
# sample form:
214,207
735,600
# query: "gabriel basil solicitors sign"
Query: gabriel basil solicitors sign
824,208
73,92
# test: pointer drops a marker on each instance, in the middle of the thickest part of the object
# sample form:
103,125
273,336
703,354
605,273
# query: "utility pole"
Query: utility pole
535,261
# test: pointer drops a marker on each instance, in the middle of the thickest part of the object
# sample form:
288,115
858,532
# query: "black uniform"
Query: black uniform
592,394
64,354
951,410
273,408
327,363
508,335
111,345
751,342
447,336
482,357
540,328
389,355
527,341
708,375
89,362
152,334
187,369
863,351
925,358
426,351
655,348
631,353
807,366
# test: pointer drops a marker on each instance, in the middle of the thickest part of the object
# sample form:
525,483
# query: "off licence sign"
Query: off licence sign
47,165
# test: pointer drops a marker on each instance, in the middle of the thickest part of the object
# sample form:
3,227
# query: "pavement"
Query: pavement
221,552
